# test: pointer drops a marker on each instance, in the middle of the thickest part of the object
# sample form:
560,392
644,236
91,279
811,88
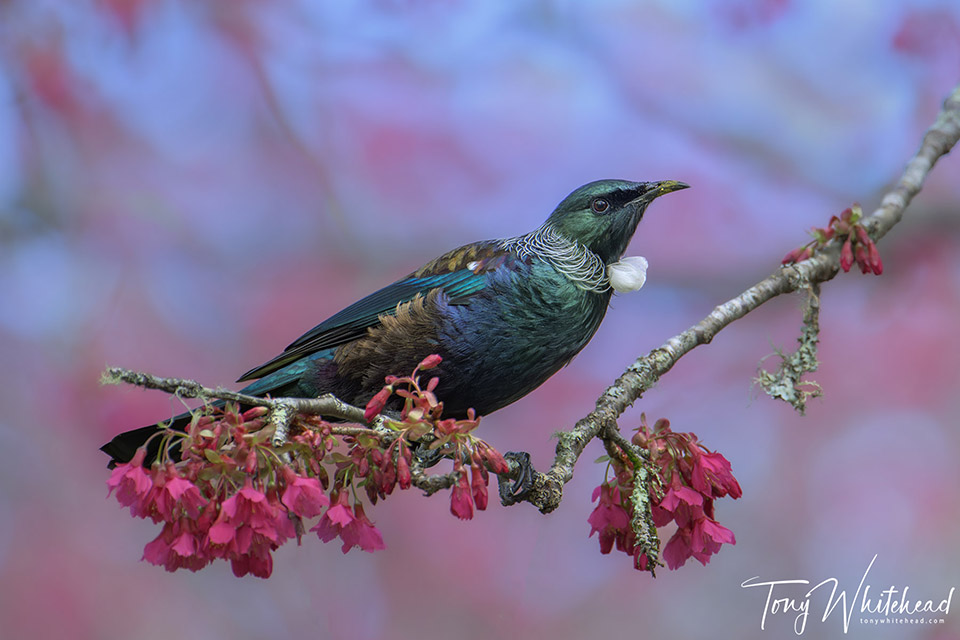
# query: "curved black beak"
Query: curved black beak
657,189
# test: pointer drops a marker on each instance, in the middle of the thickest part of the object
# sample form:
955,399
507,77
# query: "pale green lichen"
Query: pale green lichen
786,383
645,483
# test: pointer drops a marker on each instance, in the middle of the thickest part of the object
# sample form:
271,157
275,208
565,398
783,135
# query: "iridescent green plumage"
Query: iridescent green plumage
505,315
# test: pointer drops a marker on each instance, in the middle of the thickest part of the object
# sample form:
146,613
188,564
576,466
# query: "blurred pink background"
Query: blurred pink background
185,187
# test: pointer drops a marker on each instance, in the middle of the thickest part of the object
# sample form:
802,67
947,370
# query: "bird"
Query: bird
504,315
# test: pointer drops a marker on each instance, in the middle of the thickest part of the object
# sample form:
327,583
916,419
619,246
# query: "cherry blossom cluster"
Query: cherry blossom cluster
688,478
421,416
221,490
857,244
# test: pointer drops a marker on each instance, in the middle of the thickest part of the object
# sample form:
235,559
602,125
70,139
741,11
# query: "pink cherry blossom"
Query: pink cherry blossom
337,516
303,495
178,492
176,548
131,482
678,494
715,476
360,532
609,518
677,550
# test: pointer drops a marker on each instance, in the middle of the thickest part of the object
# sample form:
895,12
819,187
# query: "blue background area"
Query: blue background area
185,187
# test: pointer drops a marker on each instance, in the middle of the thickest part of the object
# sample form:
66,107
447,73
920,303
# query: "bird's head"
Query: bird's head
603,215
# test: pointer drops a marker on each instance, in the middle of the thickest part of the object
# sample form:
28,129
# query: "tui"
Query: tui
505,315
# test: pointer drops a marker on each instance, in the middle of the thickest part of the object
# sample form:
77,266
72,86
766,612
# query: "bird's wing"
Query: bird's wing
461,273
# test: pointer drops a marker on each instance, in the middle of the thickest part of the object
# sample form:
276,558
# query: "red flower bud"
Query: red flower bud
403,472
372,492
875,260
861,254
250,465
827,234
429,362
846,255
377,403
461,502
478,486
253,413
494,460
388,479
363,467
793,256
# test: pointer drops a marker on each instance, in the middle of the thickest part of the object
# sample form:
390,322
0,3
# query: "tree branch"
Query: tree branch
547,488
282,410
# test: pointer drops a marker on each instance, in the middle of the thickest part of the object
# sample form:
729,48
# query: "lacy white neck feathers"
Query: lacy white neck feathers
578,264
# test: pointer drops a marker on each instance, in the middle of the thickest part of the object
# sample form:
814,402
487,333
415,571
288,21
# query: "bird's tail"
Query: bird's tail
281,383
123,447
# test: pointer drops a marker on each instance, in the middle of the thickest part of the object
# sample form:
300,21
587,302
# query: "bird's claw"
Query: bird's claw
426,456
517,490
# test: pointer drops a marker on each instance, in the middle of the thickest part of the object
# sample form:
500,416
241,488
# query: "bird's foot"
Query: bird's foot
427,457
522,472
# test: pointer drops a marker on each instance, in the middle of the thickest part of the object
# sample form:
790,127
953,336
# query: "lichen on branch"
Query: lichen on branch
787,383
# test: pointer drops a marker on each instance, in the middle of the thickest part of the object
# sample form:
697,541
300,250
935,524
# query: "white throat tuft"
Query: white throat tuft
628,274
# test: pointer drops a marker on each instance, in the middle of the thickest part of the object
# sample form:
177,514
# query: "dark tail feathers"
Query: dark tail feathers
123,447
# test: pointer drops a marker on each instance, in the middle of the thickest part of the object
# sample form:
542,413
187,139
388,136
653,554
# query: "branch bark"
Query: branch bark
547,488
282,410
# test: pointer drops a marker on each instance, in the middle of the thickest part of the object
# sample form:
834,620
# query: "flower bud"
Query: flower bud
875,260
403,472
377,403
429,362
846,255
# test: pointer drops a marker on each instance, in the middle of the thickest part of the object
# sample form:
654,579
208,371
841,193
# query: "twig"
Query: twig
547,488
430,484
282,409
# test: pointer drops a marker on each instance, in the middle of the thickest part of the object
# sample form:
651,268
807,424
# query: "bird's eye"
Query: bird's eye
599,205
